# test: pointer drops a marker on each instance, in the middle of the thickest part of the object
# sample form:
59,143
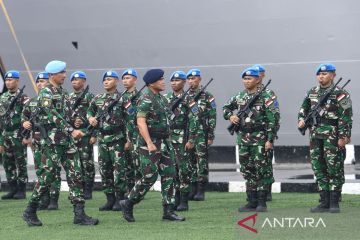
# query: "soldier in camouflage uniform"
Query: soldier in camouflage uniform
12,145
58,147
111,135
270,154
183,136
205,107
79,121
155,150
256,137
42,80
328,137
130,97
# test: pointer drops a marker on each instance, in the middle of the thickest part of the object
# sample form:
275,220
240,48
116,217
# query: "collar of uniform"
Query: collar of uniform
178,96
112,94
324,88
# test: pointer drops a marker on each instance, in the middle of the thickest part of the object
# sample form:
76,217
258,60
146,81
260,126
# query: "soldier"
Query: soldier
130,97
111,140
12,145
49,200
270,153
328,137
256,137
79,121
58,147
183,135
206,107
155,150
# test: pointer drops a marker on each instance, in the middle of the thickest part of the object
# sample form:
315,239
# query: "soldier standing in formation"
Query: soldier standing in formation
58,147
12,145
155,150
328,137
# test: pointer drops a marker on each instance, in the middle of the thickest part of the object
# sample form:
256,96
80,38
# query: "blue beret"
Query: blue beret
129,71
193,72
153,75
259,67
78,74
42,75
12,74
254,72
179,75
325,67
55,67
110,73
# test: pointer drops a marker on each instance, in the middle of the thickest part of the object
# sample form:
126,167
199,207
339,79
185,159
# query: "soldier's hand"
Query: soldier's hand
76,134
151,147
92,140
78,122
2,149
26,141
127,146
210,142
93,122
27,125
301,124
268,146
342,142
234,119
189,146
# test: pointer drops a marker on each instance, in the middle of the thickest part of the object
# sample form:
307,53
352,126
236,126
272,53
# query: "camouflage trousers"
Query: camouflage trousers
327,162
112,165
68,157
254,167
152,164
14,159
183,168
199,160
39,161
86,159
133,172
270,174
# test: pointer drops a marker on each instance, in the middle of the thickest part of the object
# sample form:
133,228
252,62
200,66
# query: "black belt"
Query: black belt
159,134
332,122
12,129
252,129
111,131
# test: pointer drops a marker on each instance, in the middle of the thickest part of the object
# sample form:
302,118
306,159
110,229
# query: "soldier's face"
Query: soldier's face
158,85
12,84
325,78
129,81
194,81
110,83
177,84
58,78
41,83
251,82
78,83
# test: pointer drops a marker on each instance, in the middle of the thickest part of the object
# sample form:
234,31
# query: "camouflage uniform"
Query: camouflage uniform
85,149
327,159
58,147
111,140
14,157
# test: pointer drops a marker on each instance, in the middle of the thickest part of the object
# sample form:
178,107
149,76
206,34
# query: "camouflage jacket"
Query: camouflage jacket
12,125
154,108
205,107
337,113
258,128
81,110
131,110
184,121
273,99
55,114
113,128
28,109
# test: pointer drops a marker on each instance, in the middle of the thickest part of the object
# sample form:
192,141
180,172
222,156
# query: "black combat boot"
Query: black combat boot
21,192
30,216
193,191
334,201
183,206
252,202
119,197
269,195
127,209
53,205
261,207
44,201
12,190
80,216
110,201
324,203
200,195
170,215
88,188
